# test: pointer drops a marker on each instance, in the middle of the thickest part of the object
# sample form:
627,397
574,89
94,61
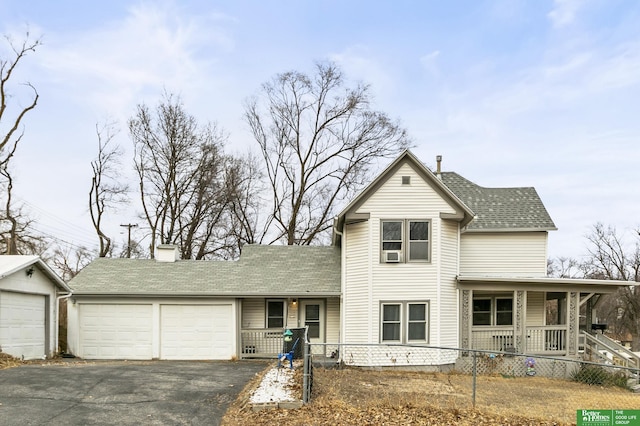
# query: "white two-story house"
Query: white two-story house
421,258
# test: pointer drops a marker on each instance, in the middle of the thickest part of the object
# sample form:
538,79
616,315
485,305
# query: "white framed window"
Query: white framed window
275,310
489,311
391,322
404,322
504,311
417,322
418,240
405,240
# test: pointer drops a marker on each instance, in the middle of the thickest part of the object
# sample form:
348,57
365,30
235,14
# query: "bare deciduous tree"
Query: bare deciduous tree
564,267
245,186
612,257
68,261
181,170
106,192
11,133
319,139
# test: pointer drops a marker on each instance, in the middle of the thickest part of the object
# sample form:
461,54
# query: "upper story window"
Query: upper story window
405,241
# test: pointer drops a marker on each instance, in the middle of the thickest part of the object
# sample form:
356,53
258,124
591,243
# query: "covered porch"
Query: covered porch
264,320
538,316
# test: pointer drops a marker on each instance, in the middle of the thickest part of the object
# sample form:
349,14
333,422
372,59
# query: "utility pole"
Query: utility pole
129,226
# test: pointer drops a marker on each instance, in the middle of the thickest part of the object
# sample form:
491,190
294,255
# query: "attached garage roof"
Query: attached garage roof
262,271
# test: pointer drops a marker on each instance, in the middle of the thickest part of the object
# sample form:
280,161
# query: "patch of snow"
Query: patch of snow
275,387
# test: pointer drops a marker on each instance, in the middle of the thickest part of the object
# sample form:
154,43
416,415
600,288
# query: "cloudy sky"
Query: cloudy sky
511,93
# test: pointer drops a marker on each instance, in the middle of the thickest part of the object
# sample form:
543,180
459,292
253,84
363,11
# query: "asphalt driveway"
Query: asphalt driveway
122,393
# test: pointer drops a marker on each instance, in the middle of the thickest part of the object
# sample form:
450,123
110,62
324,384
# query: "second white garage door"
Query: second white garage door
196,331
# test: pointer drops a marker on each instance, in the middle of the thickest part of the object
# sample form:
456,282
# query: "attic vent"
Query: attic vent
406,180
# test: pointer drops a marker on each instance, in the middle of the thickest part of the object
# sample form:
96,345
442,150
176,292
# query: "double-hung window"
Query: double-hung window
409,238
404,322
493,311
275,313
391,322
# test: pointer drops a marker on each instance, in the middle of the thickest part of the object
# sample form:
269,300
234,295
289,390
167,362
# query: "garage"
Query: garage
23,324
196,332
116,331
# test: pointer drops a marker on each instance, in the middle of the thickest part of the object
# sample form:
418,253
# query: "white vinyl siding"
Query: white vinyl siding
333,320
504,254
445,320
356,290
535,308
253,313
368,282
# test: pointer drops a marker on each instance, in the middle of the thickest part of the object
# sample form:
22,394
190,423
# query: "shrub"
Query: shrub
598,375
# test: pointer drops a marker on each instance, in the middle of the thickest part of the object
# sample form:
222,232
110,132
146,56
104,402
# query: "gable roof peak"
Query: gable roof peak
463,213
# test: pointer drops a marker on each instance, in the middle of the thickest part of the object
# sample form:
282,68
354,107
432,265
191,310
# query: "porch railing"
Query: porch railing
603,349
539,340
260,342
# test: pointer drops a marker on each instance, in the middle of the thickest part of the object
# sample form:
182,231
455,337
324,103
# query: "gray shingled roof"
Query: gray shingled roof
500,209
261,271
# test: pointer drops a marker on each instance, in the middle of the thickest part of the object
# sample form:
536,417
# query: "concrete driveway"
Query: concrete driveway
122,393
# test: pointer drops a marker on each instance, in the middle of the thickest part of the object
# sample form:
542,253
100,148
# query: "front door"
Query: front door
312,316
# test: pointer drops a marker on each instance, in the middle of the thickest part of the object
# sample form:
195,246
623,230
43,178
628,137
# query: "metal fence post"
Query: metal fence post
475,371
305,373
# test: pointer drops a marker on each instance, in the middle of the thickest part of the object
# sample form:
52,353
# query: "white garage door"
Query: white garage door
22,324
115,331
196,331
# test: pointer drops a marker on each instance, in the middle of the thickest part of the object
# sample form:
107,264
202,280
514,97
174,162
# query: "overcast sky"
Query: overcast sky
511,93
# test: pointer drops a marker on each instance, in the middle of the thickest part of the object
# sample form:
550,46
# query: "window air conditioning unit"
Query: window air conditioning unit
392,256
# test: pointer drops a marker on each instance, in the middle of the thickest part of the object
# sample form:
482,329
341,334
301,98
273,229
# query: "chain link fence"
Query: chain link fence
471,378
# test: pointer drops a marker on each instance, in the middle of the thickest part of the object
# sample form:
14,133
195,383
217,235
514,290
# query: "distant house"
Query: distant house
418,257
29,294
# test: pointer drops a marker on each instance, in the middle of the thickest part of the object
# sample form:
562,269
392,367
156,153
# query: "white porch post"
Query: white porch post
573,322
520,326
465,320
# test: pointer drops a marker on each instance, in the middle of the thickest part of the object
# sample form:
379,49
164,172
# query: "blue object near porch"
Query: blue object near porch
288,355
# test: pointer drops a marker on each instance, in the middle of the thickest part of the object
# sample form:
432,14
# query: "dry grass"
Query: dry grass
8,361
365,397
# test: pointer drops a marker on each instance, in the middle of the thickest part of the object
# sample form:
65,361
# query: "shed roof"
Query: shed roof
271,271
500,209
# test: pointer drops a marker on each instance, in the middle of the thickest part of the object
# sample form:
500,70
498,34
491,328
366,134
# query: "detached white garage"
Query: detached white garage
29,293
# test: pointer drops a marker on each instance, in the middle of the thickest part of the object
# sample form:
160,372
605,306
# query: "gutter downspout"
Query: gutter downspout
342,285
58,299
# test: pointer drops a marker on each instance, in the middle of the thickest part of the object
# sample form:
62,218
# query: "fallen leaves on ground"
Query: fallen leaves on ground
369,397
